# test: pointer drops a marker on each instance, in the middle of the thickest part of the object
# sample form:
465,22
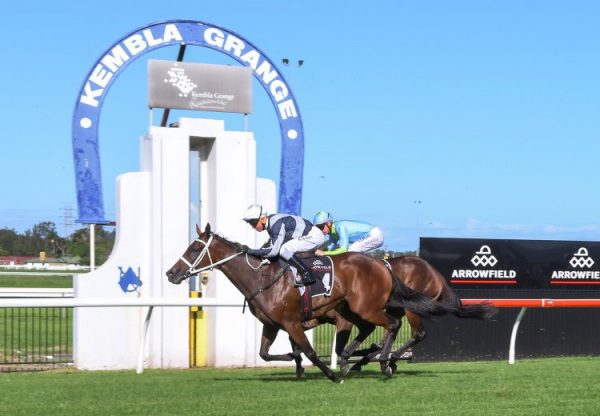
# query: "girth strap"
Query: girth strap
262,289
306,307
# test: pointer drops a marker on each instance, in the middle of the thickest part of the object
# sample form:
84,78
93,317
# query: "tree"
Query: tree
44,237
383,254
8,241
80,244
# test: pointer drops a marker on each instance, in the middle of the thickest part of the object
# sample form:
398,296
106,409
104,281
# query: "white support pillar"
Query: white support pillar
153,230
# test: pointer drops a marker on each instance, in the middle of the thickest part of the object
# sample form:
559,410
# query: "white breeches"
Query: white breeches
371,241
311,241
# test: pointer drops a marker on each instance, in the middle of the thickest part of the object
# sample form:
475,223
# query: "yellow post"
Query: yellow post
193,317
197,325
201,338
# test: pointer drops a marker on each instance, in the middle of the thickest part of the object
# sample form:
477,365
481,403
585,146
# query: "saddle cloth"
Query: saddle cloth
322,269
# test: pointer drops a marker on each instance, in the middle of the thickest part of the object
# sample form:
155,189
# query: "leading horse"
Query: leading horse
362,292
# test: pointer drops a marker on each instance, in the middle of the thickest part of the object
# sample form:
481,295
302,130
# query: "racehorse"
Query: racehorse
363,290
423,278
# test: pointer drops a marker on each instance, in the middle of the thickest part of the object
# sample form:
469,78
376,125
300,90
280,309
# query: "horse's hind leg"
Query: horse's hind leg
391,324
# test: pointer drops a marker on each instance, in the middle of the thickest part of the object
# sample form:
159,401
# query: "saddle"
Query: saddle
322,270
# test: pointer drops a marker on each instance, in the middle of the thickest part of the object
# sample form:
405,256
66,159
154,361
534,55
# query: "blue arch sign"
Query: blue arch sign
168,33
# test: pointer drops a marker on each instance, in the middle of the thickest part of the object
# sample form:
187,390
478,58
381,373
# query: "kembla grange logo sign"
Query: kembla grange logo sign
193,86
483,269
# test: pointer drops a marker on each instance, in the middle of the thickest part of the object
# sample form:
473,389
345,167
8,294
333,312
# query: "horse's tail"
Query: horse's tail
404,297
484,310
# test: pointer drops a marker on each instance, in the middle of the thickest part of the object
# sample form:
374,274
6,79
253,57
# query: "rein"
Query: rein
192,270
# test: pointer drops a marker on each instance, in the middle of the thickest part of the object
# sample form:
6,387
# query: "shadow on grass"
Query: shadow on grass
313,374
371,371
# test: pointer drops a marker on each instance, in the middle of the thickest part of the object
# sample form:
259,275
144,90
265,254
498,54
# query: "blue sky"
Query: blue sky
442,119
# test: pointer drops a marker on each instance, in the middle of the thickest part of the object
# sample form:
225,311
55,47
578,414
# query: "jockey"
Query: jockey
347,235
288,234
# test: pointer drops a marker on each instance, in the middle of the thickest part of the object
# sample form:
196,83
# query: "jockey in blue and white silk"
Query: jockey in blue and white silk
346,235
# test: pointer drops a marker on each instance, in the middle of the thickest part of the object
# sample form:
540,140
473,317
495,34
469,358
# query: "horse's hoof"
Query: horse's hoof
356,368
344,370
393,366
300,373
388,371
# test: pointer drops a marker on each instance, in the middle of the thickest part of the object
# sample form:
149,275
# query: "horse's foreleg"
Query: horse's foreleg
364,330
298,336
297,358
269,333
343,328
367,358
391,324
418,334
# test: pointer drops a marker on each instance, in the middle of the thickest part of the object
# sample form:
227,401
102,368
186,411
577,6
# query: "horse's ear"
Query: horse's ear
198,230
207,229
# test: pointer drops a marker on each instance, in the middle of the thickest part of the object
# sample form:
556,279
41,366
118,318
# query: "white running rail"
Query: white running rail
112,302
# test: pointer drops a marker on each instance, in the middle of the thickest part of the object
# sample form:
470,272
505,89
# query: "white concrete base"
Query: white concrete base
153,230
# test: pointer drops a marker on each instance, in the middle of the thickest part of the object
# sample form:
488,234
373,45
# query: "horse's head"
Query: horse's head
193,258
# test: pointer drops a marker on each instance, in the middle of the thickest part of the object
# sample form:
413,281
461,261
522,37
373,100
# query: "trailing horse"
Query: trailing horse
362,287
420,276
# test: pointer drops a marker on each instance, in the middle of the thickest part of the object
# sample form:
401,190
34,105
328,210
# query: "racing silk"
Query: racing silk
343,233
283,228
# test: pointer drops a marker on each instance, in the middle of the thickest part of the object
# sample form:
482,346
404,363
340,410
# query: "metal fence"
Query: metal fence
42,336
324,335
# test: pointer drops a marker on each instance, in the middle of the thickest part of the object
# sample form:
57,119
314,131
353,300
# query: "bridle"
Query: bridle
192,270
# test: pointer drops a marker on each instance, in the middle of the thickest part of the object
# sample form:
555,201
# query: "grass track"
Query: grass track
36,280
565,386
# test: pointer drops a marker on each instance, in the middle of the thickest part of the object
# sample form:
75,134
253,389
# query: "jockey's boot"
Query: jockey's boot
307,277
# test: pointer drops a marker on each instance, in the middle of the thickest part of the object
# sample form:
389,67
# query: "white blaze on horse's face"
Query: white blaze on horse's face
181,270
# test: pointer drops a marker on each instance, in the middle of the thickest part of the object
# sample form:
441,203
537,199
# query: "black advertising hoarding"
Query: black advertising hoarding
514,269
515,264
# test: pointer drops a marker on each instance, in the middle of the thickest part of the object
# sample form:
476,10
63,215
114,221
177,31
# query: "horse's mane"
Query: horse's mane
238,246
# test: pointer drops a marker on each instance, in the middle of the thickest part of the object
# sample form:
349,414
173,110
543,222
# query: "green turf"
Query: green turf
566,386
36,280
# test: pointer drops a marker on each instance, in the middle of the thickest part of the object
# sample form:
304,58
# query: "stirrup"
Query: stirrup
308,279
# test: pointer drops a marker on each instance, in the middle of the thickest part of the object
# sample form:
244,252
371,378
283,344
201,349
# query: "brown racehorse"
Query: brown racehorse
363,289
422,278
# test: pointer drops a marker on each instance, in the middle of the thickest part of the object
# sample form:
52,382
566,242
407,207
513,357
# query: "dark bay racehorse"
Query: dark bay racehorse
423,278
363,290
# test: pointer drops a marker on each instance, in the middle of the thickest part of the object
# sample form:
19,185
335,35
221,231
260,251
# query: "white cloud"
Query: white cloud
406,237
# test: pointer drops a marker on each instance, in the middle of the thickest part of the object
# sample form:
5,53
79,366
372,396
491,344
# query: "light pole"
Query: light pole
418,221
